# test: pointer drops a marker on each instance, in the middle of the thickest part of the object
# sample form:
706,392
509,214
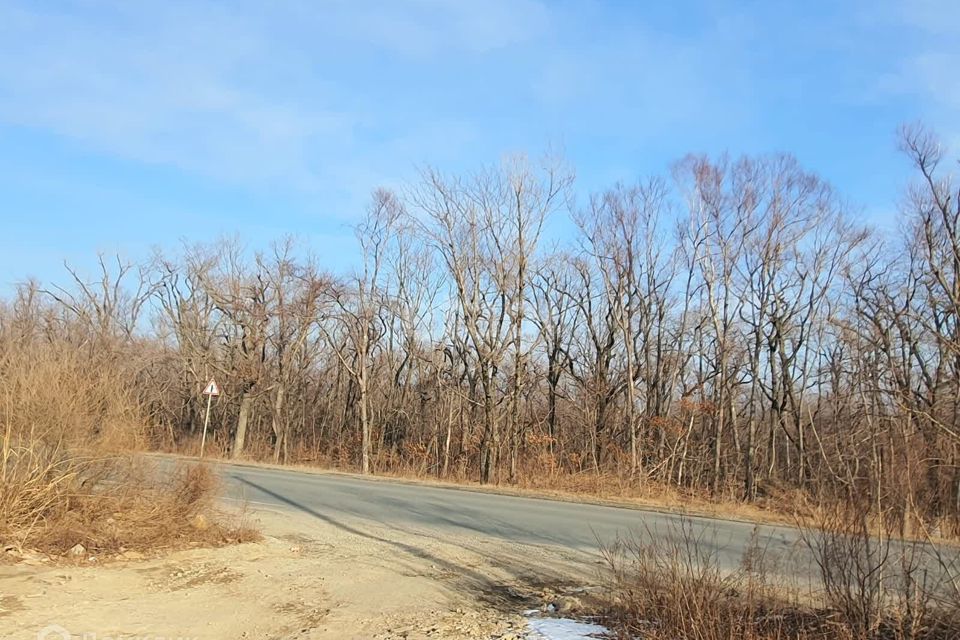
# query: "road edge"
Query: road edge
486,489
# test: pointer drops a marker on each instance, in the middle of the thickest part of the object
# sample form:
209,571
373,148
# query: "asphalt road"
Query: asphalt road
347,501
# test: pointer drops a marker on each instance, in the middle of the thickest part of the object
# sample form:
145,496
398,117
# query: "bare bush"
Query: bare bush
70,417
673,583
879,585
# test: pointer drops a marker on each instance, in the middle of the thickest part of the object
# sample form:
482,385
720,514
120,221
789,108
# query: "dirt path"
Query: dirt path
307,579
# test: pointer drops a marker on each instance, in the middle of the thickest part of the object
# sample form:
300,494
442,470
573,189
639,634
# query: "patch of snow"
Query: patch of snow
564,629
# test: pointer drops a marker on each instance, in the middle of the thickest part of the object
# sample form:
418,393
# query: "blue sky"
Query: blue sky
126,125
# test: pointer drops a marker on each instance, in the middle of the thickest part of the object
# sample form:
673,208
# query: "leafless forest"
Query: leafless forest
731,329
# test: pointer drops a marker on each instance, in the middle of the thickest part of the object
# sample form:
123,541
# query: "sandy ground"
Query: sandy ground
307,579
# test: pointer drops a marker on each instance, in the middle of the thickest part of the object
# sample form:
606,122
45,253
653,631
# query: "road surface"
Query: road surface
348,501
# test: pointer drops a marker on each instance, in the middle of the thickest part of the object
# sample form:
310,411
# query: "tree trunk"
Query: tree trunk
718,435
446,442
750,488
241,436
279,426
490,444
364,422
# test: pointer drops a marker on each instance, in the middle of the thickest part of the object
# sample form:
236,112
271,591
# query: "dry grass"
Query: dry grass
69,419
672,586
109,505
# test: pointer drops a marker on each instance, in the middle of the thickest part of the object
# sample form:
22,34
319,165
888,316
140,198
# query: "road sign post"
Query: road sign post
210,391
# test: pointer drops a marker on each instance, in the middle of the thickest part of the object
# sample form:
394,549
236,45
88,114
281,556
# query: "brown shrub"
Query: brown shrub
672,585
108,504
69,419
879,585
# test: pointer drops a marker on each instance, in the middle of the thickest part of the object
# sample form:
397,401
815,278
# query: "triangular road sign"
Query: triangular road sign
212,389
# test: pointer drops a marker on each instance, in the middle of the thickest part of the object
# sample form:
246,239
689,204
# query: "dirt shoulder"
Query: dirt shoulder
306,579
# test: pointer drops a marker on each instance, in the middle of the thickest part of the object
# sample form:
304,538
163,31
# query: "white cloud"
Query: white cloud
928,40
238,91
163,86
292,93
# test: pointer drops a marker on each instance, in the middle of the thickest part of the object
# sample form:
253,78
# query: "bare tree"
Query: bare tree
621,229
295,291
485,229
108,306
240,293
361,305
